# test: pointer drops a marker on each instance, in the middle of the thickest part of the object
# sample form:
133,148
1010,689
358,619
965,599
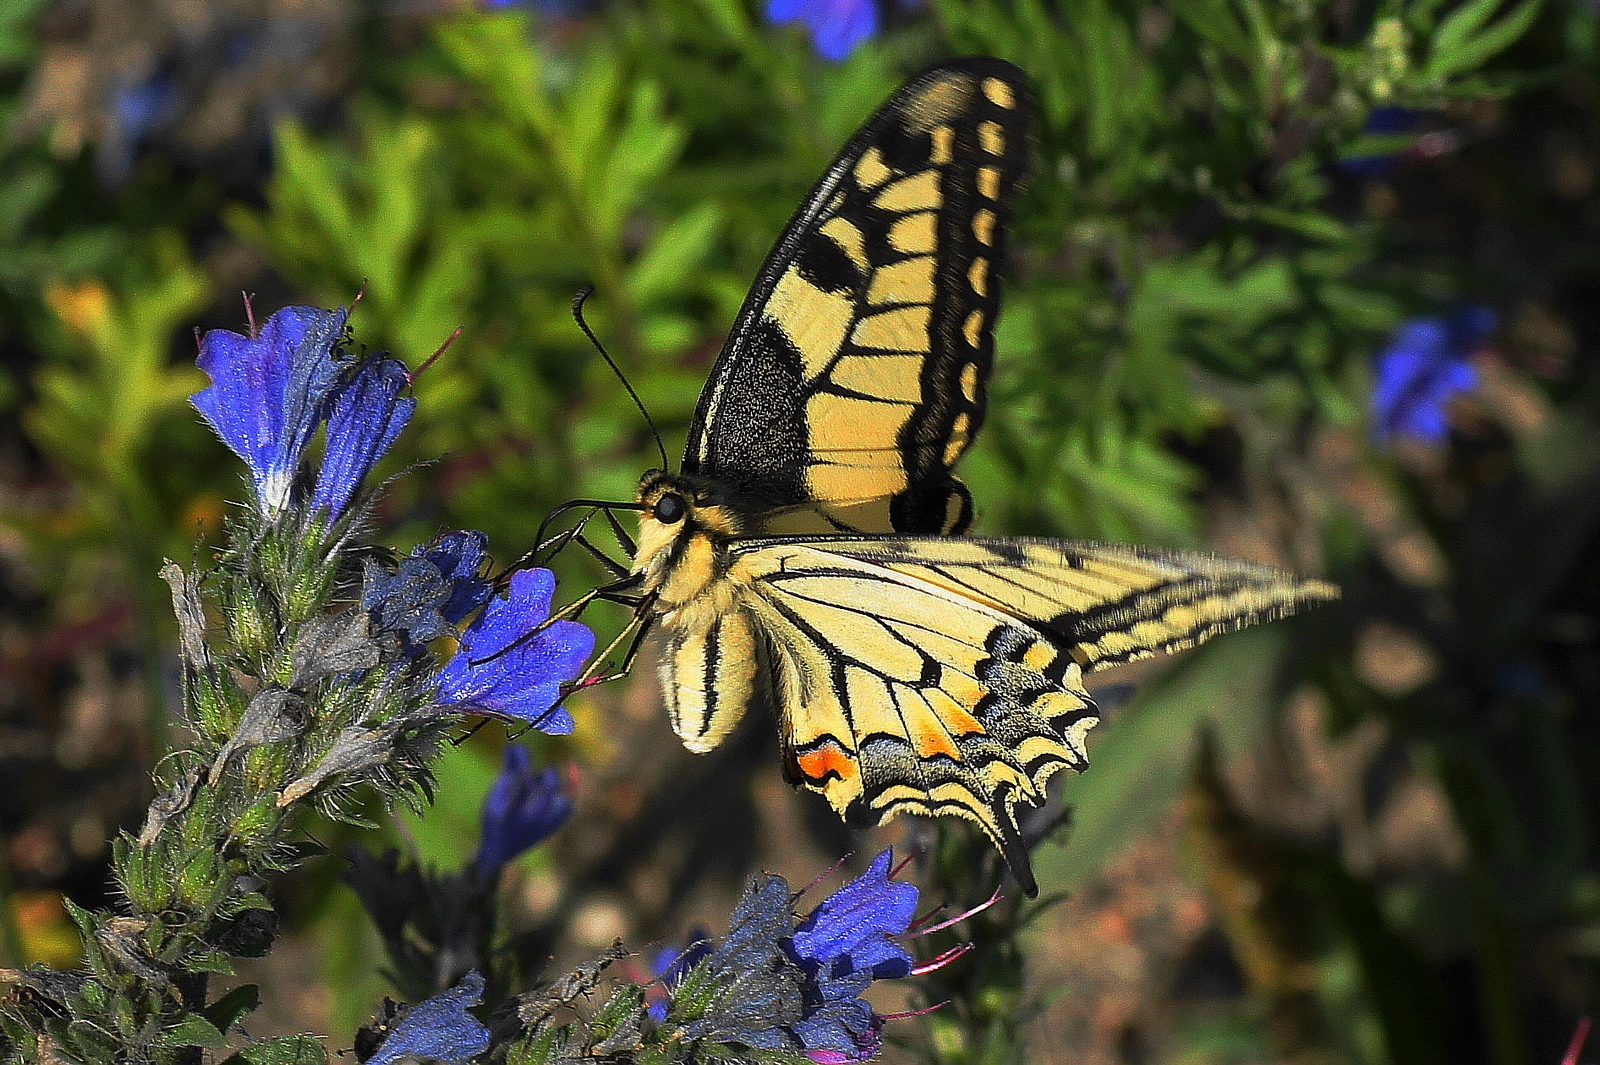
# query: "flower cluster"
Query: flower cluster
270,392
776,983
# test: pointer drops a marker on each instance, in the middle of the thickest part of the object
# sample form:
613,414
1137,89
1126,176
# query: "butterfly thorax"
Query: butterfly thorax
685,525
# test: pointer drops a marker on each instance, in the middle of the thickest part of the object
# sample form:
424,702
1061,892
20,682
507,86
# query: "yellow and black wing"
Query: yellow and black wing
945,676
855,374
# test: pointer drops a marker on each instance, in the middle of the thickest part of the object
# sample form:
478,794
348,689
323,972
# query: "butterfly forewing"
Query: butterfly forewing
1106,603
855,375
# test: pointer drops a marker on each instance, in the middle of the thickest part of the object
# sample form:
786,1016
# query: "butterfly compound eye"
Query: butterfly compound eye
669,508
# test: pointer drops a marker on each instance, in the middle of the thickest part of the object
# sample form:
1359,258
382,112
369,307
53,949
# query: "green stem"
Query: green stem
12,954
1493,935
1497,979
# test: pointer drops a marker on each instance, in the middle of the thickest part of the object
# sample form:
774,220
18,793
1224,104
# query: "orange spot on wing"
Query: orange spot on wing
828,759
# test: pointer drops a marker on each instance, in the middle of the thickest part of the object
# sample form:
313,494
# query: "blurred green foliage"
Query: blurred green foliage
1199,282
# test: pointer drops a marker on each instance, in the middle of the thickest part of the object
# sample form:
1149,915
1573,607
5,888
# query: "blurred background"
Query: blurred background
1316,284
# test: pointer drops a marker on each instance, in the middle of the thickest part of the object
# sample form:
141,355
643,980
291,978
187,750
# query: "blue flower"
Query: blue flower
268,392
367,414
837,27
439,1028
512,663
842,946
436,588
1423,368
799,987
522,810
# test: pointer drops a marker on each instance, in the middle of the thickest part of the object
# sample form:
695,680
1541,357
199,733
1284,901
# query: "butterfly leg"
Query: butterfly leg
608,592
638,628
617,569
623,539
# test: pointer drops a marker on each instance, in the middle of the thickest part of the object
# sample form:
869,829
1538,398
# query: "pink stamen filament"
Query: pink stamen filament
829,871
431,359
914,1013
957,919
1579,1037
942,960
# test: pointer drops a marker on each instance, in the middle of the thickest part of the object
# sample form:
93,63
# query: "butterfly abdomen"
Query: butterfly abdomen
708,666
708,672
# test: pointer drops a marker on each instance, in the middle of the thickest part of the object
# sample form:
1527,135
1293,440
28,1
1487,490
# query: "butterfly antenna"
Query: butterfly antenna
577,312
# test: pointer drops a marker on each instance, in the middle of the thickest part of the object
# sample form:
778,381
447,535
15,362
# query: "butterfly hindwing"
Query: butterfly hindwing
945,676
855,375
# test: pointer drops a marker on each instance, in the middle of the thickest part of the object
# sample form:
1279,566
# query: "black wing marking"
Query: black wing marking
855,376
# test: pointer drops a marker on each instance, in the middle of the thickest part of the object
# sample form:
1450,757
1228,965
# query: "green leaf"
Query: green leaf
1138,768
731,18
676,252
1404,991
1459,47
193,1031
234,1007
282,1050
1215,22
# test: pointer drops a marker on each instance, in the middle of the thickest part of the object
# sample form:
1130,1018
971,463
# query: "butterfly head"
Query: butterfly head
683,522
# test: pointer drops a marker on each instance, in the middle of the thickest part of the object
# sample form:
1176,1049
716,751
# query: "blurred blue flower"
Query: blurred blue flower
522,810
436,588
268,392
512,663
439,1028
1390,125
141,107
1424,366
366,416
837,27
138,111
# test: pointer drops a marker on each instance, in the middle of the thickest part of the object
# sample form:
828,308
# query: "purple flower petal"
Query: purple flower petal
503,668
837,27
268,392
367,415
522,810
850,931
439,1028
